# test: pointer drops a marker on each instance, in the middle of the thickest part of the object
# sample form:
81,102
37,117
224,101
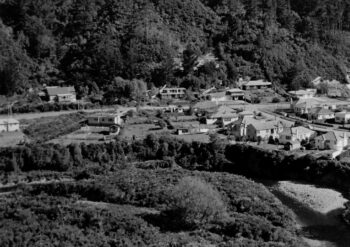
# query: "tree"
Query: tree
162,124
195,203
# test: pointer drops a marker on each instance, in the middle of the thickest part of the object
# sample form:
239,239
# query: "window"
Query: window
288,137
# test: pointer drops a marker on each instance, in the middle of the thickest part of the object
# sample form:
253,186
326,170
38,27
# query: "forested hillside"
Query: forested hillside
88,43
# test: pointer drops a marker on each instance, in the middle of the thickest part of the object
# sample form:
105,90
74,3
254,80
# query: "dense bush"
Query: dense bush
90,43
213,156
252,211
194,203
47,107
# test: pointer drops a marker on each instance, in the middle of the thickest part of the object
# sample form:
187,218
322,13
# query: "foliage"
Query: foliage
194,203
90,43
48,128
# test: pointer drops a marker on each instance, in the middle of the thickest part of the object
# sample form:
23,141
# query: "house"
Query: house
172,93
60,94
342,117
264,130
239,128
244,114
105,120
191,128
223,116
296,134
317,81
292,145
303,94
218,96
304,106
235,94
258,84
320,113
332,140
9,125
205,106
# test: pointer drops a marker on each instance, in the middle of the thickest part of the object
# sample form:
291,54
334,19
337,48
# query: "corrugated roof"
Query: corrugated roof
224,111
204,105
257,83
295,130
53,91
332,136
265,125
235,90
324,112
8,121
217,94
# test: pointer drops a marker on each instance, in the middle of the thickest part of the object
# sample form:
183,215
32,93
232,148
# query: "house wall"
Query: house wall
331,144
223,98
325,117
226,121
295,137
63,98
105,120
9,127
210,121
320,144
342,119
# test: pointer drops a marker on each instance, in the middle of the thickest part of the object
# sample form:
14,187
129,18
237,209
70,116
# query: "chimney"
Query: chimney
297,132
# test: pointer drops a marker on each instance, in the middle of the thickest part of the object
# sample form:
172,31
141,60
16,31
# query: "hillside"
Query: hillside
89,43
126,208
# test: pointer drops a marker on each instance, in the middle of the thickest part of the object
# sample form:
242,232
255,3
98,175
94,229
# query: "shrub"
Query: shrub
162,124
276,100
195,203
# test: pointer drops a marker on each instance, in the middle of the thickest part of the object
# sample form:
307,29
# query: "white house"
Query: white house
303,94
191,128
296,134
332,141
218,96
258,84
235,94
320,113
60,94
9,125
223,116
172,93
342,117
264,129
105,120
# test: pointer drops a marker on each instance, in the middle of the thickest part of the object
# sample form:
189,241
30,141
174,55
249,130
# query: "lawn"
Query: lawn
10,139
140,131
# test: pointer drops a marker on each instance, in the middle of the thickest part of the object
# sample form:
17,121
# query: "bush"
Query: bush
276,100
195,203
162,124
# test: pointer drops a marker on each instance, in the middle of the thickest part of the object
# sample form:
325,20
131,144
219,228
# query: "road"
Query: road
34,115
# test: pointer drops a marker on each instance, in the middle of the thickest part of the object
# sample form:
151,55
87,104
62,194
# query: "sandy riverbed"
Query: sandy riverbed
319,199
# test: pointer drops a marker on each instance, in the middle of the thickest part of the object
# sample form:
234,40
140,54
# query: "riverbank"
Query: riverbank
319,199
317,212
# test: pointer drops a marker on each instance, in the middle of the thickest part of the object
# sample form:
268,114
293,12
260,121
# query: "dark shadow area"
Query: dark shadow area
155,129
165,223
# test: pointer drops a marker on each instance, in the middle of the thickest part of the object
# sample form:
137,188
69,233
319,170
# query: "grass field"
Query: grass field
10,139
140,131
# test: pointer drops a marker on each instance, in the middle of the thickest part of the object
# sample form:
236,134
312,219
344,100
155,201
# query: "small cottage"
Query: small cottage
9,125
